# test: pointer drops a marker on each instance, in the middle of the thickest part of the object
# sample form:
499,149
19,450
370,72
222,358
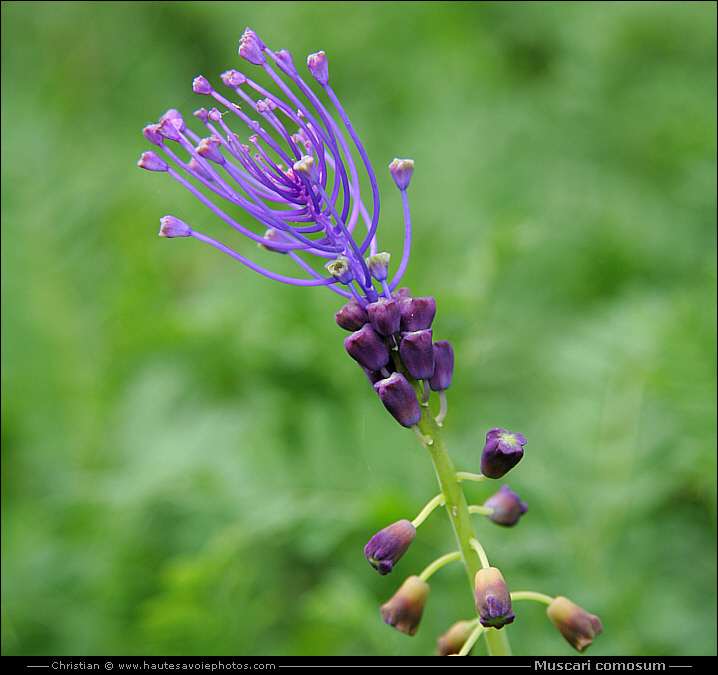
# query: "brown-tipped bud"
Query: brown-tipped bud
406,607
492,599
352,316
388,545
453,640
578,626
367,348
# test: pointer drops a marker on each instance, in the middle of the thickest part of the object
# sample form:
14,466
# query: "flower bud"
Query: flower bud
399,398
507,506
417,353
417,313
401,171
319,67
378,265
384,316
492,599
174,227
443,366
272,235
352,316
453,640
404,610
387,546
502,452
367,348
578,626
251,48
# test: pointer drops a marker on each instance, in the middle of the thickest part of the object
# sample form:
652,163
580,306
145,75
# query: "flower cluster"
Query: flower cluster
296,178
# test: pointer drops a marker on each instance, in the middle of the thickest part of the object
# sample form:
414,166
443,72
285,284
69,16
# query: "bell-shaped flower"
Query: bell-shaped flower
367,348
399,398
388,545
502,452
406,607
492,599
578,626
417,353
507,507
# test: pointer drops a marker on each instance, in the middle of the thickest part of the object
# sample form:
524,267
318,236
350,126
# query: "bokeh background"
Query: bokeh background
191,464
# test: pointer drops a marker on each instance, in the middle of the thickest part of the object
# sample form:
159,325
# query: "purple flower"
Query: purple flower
417,353
406,607
293,170
367,348
399,398
502,452
444,366
492,598
507,506
388,545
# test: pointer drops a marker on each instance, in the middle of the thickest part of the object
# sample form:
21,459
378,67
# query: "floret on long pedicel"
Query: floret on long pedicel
501,453
507,507
492,598
579,627
387,546
406,607
297,173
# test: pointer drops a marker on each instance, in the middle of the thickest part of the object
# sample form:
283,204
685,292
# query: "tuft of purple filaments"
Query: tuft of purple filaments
296,174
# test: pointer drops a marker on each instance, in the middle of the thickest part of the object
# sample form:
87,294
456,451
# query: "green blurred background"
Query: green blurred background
191,464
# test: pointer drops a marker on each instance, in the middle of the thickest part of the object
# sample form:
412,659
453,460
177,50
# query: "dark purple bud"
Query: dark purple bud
578,626
406,607
319,67
384,316
507,506
399,398
492,598
443,366
367,348
352,316
417,313
387,546
402,170
417,353
502,452
174,227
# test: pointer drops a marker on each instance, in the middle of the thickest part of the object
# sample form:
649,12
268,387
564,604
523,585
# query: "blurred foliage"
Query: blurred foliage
190,462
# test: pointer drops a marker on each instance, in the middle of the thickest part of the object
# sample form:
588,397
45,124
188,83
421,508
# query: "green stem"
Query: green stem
456,507
532,595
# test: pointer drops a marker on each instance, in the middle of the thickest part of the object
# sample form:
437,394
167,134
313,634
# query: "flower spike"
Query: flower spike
295,173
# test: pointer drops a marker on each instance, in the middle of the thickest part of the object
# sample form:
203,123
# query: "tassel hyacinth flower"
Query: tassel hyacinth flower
282,167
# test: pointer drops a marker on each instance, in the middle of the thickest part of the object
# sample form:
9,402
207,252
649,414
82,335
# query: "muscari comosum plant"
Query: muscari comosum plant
297,174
